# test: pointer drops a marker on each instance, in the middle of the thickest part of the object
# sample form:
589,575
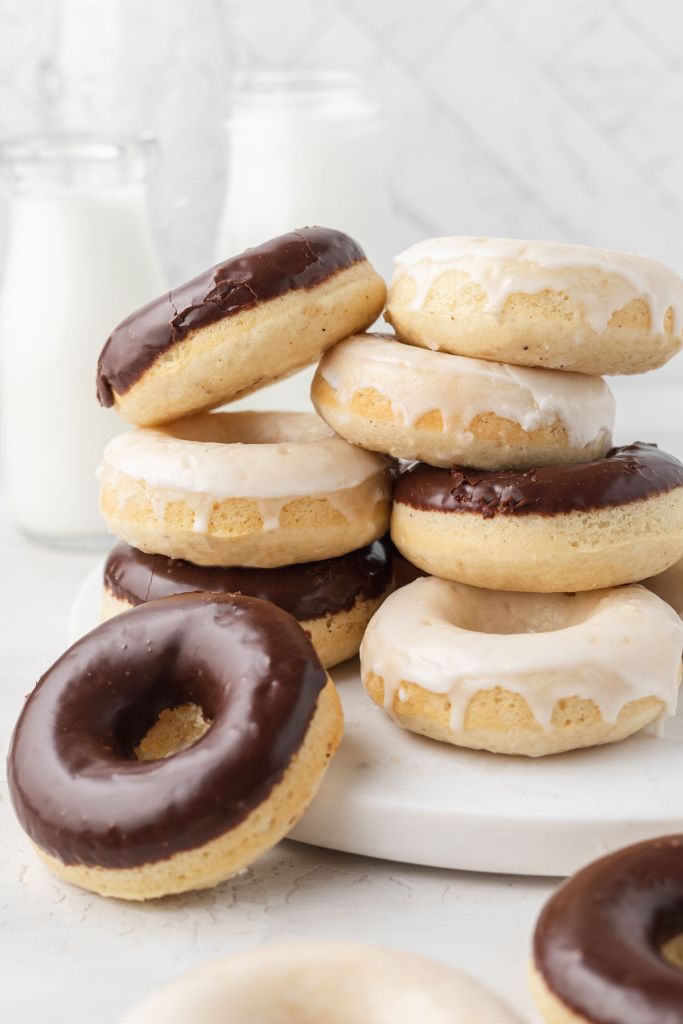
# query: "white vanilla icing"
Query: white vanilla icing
330,982
259,455
505,266
416,381
609,646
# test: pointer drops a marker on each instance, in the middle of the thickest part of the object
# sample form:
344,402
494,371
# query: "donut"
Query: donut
250,488
608,945
669,586
249,321
447,410
332,600
556,528
530,674
568,307
330,982
172,745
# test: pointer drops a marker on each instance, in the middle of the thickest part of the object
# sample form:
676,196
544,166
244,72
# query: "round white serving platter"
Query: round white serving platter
394,795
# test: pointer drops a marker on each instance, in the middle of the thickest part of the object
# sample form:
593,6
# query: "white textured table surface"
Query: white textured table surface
69,955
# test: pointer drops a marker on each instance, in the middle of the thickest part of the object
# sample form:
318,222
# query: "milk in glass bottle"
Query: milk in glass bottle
305,148
80,257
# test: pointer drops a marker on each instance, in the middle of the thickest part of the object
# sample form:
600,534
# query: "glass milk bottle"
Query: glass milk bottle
305,148
80,257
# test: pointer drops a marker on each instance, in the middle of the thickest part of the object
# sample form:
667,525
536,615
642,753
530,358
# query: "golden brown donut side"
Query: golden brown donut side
546,554
501,721
369,421
235,356
309,527
532,330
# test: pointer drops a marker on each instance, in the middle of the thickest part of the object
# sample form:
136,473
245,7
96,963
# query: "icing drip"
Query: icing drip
610,646
417,382
502,267
355,504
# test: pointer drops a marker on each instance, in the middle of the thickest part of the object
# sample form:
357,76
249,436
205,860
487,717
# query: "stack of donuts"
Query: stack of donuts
272,505
529,636
171,746
186,735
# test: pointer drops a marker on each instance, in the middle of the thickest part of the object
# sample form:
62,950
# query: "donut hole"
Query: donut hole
249,428
174,730
668,935
672,951
498,612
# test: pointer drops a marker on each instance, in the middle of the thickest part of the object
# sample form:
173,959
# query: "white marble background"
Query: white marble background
538,118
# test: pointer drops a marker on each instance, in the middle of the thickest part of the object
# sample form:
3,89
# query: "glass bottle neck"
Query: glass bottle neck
332,99
67,163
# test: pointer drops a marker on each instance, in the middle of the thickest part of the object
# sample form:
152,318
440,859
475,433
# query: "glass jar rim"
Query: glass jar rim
65,146
70,155
332,94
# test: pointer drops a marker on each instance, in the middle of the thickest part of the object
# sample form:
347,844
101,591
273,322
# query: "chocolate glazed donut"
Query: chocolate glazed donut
555,529
76,786
626,474
598,941
291,262
307,590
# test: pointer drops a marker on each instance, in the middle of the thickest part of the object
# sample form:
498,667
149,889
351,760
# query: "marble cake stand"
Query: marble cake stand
401,797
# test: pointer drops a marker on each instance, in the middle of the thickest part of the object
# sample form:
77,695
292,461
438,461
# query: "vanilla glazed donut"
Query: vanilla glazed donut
249,321
608,945
250,488
323,983
530,674
172,745
446,410
332,600
568,307
669,586
554,529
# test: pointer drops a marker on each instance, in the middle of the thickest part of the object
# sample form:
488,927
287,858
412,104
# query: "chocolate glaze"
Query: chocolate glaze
625,474
76,787
306,591
298,260
597,942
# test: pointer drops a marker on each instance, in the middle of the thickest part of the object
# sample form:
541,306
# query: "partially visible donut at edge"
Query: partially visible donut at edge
251,320
608,944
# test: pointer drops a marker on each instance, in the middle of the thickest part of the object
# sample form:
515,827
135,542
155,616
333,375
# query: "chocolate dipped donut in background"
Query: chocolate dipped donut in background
246,322
332,600
553,529
173,745
608,945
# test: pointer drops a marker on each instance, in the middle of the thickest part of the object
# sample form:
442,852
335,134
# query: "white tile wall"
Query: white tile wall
546,118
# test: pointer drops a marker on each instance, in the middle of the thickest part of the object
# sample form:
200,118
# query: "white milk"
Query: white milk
81,257
305,149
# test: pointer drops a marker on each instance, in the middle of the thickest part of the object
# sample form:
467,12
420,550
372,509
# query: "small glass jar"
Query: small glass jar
80,257
305,149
